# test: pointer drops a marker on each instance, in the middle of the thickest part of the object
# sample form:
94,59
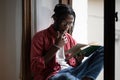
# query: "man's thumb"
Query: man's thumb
58,34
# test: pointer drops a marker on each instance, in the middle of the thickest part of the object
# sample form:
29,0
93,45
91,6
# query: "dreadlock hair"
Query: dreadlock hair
62,10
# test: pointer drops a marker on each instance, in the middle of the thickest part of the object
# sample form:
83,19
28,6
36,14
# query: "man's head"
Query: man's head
64,17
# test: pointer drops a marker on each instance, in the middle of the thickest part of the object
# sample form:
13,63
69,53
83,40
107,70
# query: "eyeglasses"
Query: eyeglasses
65,23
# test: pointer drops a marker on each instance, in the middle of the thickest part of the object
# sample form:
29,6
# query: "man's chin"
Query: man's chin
63,31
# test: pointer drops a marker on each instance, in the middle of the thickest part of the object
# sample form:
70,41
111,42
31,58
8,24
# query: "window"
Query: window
109,30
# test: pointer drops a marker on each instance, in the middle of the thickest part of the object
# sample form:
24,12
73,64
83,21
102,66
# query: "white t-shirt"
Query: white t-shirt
60,58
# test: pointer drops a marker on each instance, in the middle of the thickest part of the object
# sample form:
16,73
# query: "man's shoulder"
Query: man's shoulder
39,34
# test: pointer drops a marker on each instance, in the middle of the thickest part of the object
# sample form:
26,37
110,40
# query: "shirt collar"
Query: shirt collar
51,30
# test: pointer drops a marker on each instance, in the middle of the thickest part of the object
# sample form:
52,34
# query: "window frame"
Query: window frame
109,39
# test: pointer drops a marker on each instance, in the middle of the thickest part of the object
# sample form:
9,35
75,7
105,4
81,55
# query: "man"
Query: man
48,49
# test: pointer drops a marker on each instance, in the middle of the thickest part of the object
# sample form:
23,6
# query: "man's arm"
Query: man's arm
50,53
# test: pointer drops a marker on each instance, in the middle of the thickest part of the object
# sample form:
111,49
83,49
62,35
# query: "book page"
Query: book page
86,50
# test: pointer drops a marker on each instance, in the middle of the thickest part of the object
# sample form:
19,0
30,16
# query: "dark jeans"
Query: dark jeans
91,67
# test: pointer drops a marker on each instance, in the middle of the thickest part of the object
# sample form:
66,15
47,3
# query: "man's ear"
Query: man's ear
54,18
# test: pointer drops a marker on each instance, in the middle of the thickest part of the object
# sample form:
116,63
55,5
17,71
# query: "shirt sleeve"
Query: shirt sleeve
37,60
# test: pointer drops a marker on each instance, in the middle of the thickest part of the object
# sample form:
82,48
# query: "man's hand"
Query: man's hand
61,39
79,58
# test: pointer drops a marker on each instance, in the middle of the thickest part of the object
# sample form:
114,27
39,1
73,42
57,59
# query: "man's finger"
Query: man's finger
58,34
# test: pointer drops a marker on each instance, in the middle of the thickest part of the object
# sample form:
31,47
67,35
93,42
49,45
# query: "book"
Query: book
78,50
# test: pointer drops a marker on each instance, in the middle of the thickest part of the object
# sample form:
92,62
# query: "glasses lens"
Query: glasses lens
64,23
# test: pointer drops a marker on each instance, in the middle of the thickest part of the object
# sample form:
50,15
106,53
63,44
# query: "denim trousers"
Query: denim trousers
91,67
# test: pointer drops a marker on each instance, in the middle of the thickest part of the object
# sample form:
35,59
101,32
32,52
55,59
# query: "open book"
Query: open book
78,50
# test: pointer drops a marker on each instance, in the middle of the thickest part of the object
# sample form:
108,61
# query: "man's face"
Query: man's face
66,23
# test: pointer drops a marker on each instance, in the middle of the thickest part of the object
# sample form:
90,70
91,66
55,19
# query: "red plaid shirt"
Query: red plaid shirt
41,43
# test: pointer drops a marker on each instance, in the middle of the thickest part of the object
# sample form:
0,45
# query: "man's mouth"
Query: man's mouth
63,31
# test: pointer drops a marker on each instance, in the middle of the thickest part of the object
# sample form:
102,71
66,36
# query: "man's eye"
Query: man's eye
64,23
70,23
